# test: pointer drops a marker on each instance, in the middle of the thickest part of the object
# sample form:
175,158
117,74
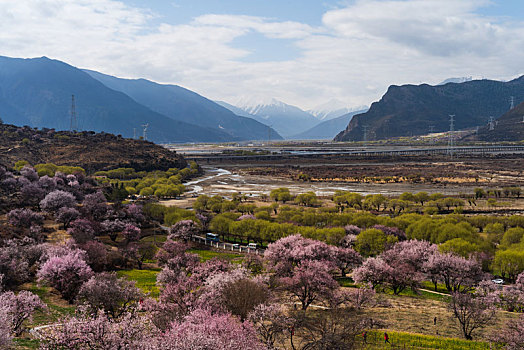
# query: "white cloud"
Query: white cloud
358,51
272,29
434,27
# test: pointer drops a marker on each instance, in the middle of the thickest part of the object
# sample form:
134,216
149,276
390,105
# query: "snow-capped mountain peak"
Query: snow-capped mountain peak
258,103
286,119
332,109
256,100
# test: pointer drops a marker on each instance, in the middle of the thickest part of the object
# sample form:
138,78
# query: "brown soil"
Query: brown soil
408,314
58,235
469,172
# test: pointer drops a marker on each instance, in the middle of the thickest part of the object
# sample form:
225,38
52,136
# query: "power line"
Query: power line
365,136
491,123
386,128
451,140
144,135
73,123
431,129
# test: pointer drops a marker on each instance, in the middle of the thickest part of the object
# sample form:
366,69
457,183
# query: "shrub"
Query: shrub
24,218
105,291
56,200
19,308
65,273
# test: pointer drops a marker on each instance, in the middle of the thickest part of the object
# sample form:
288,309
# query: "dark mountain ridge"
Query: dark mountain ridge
412,109
39,91
184,105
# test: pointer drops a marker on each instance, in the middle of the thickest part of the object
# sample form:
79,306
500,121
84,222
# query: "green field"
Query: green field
402,340
421,294
144,279
206,255
57,308
24,343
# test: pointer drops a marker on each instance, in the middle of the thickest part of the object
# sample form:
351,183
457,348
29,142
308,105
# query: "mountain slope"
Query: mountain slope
509,127
235,109
286,119
186,106
411,110
39,94
328,129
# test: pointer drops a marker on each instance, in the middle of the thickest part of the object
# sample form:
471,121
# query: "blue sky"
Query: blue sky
308,11
181,11
304,11
260,47
303,52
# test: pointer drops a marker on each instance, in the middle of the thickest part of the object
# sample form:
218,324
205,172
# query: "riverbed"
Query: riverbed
225,182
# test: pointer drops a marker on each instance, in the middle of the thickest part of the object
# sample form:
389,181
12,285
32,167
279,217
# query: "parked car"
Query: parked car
498,281
212,237
252,246
235,246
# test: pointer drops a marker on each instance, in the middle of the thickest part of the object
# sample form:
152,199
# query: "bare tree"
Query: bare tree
271,324
242,296
472,312
331,329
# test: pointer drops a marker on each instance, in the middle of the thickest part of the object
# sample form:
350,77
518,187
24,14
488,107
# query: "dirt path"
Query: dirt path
58,235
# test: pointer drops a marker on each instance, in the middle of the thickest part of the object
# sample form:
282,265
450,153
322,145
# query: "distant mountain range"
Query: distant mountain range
288,120
412,110
37,92
333,109
509,127
184,105
327,129
328,119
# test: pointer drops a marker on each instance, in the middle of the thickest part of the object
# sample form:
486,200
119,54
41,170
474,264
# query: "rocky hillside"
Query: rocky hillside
89,150
509,127
411,110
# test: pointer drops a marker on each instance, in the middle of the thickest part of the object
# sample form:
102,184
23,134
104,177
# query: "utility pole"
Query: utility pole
491,123
365,136
451,140
72,120
144,135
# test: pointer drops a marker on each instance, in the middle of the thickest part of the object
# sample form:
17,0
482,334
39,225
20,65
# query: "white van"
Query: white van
252,246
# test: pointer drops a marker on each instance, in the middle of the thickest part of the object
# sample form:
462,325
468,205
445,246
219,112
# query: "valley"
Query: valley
262,175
